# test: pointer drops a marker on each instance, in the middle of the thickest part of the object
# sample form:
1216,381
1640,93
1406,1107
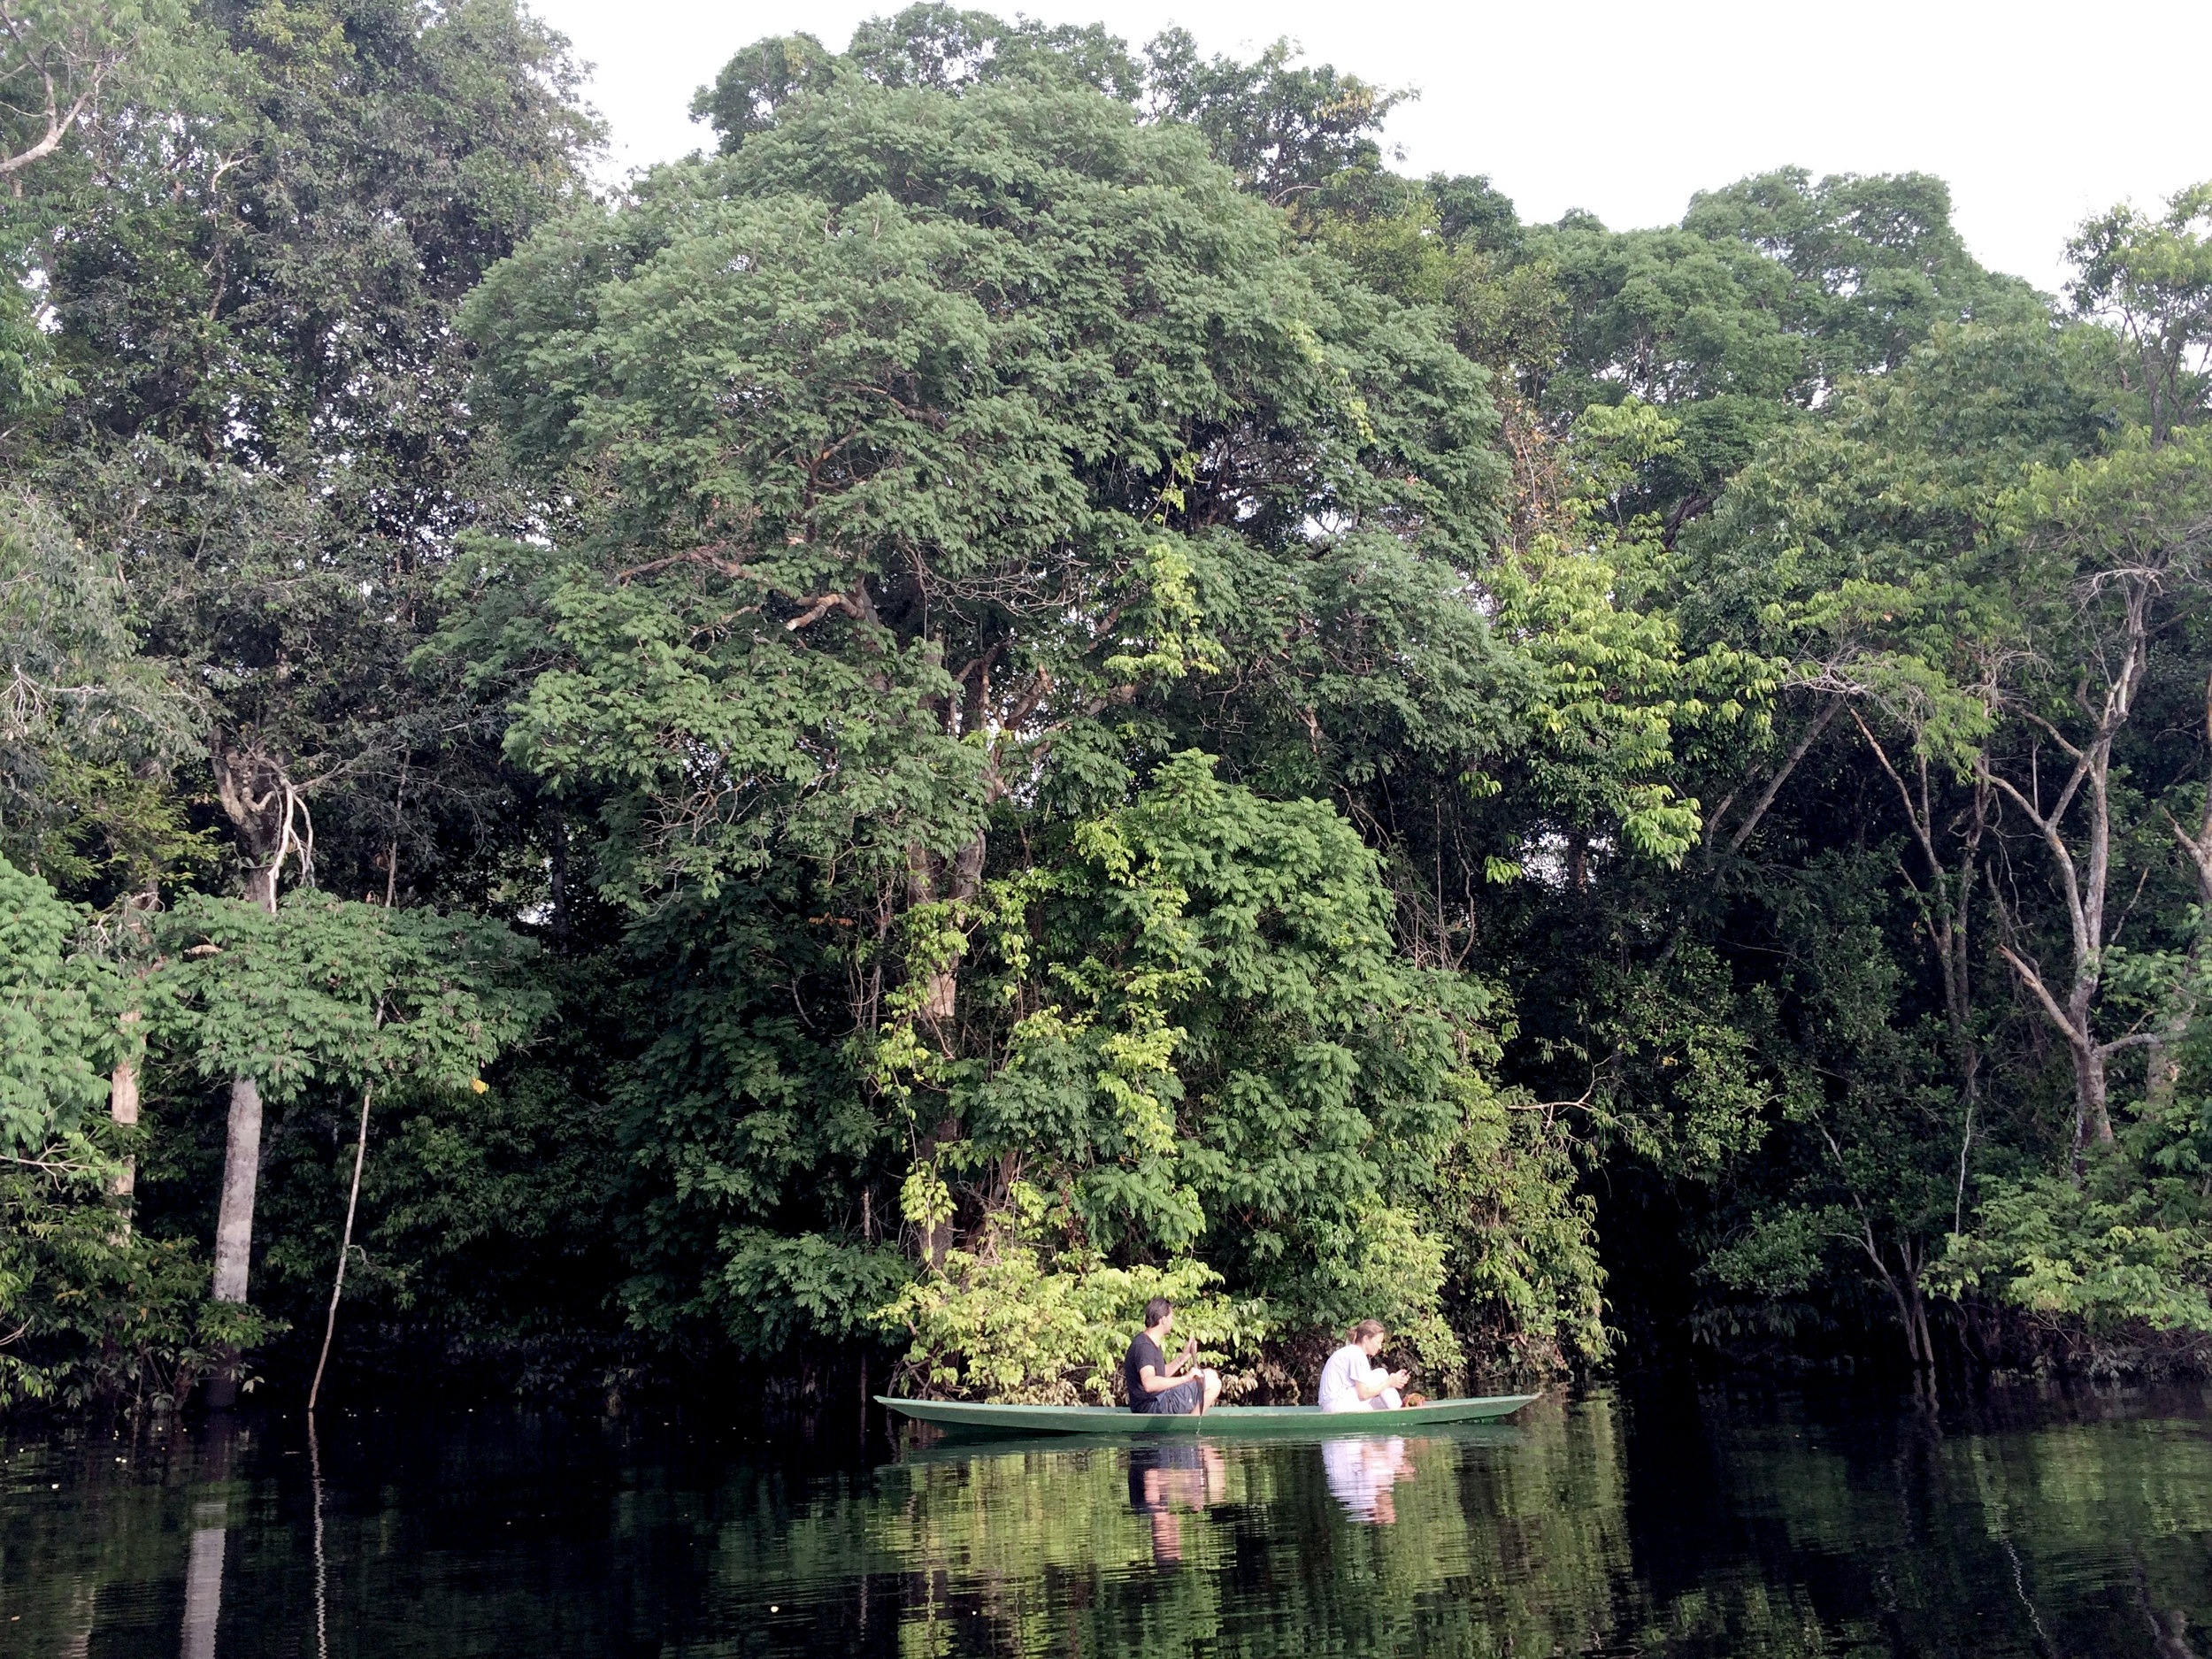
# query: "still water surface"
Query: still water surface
1676,1524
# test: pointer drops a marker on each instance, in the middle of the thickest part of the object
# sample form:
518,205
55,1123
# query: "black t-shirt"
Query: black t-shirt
1142,1352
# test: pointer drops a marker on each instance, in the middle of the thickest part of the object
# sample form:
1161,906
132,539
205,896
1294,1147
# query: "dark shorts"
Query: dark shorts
1179,1401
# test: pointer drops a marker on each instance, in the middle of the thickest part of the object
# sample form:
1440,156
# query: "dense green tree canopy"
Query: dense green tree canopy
1035,680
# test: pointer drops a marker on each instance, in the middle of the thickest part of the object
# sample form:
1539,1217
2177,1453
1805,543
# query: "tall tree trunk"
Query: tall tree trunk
242,1177
2093,1114
937,1238
931,878
556,876
241,1171
2084,877
123,1098
1947,913
123,1109
2161,1070
233,1222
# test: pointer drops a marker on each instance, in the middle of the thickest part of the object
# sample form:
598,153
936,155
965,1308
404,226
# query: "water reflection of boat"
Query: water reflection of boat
958,1446
1362,1470
1287,1422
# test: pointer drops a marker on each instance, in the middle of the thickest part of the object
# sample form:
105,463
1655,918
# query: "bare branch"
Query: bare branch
1912,815
707,556
1813,729
817,609
2033,980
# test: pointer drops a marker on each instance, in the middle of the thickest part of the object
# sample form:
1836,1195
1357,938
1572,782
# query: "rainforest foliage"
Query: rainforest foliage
1037,682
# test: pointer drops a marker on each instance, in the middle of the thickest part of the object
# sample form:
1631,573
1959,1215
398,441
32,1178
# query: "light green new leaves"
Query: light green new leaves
1021,1321
57,1024
1617,700
333,992
1197,1038
2105,1255
1082,963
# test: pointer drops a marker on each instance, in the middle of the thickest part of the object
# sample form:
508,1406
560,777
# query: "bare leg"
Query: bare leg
1212,1379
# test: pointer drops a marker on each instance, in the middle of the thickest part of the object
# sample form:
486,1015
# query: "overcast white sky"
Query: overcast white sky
2037,114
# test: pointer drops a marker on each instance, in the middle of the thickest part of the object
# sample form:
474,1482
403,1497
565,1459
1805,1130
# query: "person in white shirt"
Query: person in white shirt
1351,1381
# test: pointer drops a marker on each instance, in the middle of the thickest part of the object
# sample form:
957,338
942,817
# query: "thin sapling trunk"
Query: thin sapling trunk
345,1246
345,1240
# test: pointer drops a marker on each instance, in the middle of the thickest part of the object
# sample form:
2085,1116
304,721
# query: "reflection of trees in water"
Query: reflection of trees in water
100,1556
1713,1529
1902,1534
1268,1557
1773,1537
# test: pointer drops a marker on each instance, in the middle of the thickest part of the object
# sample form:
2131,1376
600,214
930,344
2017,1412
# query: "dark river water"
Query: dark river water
1672,1523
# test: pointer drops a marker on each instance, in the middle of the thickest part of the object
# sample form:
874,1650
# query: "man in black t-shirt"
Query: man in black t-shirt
1152,1383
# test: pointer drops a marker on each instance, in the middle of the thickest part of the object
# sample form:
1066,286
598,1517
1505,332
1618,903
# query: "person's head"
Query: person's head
1368,1335
1159,1314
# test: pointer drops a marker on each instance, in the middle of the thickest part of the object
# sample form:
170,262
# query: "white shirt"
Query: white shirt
1341,1377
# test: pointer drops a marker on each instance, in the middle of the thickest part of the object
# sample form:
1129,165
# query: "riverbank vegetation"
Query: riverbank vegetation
1037,682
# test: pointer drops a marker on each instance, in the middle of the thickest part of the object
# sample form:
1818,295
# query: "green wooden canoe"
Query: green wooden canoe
1310,1421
